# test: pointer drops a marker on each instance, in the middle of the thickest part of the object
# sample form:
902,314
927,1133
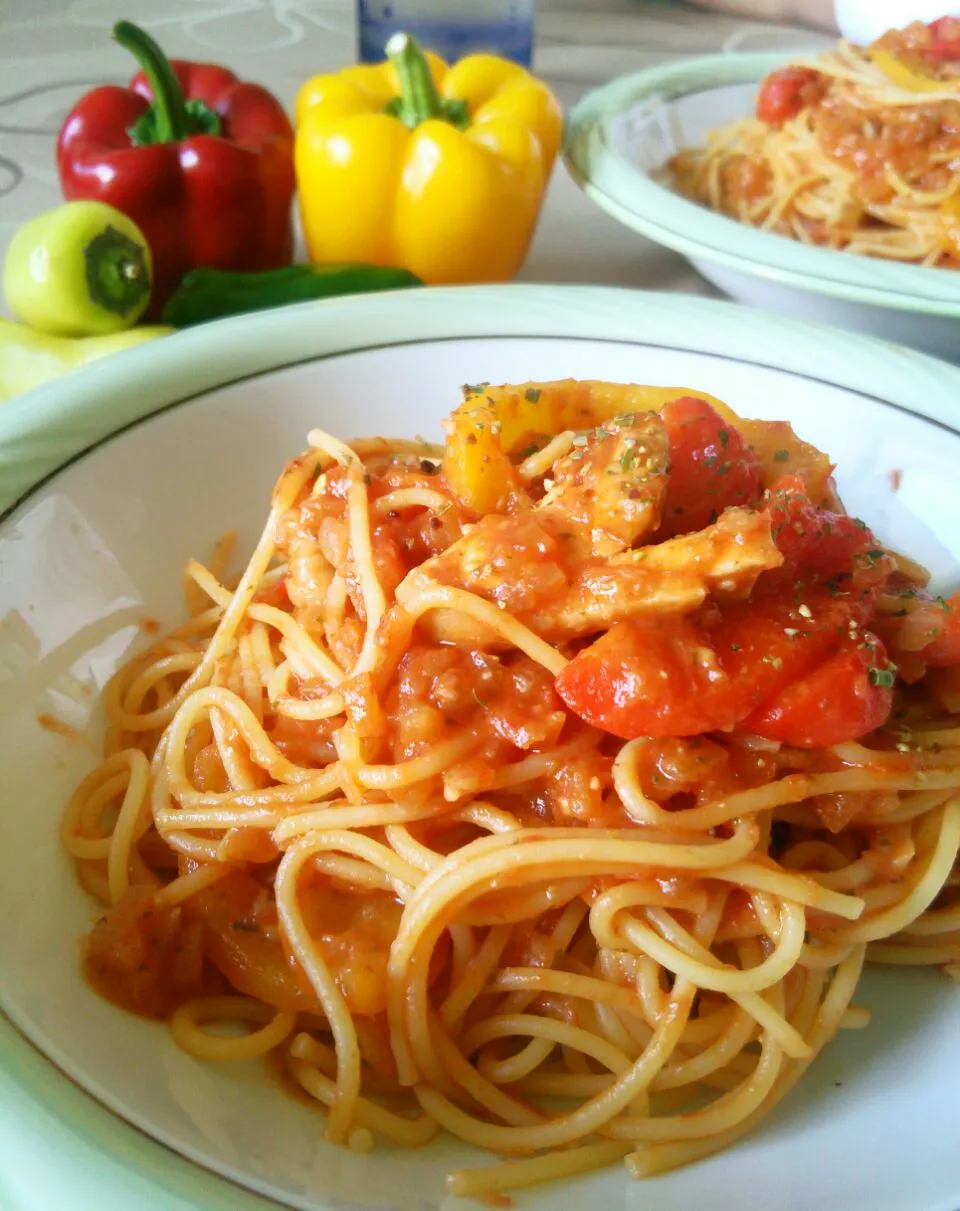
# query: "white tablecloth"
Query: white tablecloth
52,51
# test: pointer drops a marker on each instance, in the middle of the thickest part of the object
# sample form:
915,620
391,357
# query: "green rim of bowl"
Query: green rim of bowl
630,195
101,1162
60,1150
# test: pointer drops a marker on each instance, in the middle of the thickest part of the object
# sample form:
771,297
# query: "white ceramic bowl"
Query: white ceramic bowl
620,137
185,438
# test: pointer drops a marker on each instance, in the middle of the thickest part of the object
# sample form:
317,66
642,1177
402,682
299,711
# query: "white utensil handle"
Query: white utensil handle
863,20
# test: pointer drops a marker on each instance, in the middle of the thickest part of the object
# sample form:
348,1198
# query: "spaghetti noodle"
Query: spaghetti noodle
549,788
855,149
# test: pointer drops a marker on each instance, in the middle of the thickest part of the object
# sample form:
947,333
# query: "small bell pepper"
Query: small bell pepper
201,162
413,163
81,269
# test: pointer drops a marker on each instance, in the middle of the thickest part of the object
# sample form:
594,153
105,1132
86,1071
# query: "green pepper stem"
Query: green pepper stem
172,123
419,99
117,273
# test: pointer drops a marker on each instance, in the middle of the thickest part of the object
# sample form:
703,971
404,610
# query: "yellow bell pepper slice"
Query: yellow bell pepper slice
905,76
438,170
779,451
494,427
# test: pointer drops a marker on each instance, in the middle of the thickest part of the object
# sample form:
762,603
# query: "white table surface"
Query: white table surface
52,51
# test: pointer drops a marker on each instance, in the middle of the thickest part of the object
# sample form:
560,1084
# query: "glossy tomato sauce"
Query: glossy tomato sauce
770,637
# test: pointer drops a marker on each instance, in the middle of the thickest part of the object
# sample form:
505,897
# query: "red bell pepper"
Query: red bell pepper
202,162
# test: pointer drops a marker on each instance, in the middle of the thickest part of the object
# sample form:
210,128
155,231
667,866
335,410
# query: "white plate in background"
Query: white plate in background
618,141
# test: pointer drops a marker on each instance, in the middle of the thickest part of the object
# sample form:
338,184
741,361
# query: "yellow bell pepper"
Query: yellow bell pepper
495,427
438,170
905,76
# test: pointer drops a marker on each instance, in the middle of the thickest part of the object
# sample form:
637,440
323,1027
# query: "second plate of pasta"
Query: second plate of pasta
636,147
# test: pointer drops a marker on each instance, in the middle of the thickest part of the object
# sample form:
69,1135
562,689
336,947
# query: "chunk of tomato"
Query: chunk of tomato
839,550
685,676
784,93
945,46
844,698
711,467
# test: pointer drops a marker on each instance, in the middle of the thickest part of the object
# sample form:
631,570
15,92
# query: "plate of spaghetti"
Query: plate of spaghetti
855,149
550,794
852,150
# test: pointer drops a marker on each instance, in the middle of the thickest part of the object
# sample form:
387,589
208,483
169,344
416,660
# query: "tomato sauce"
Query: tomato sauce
919,143
892,153
756,680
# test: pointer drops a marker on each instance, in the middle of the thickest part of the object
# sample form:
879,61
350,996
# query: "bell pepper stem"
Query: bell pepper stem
418,100
172,123
117,272
418,93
